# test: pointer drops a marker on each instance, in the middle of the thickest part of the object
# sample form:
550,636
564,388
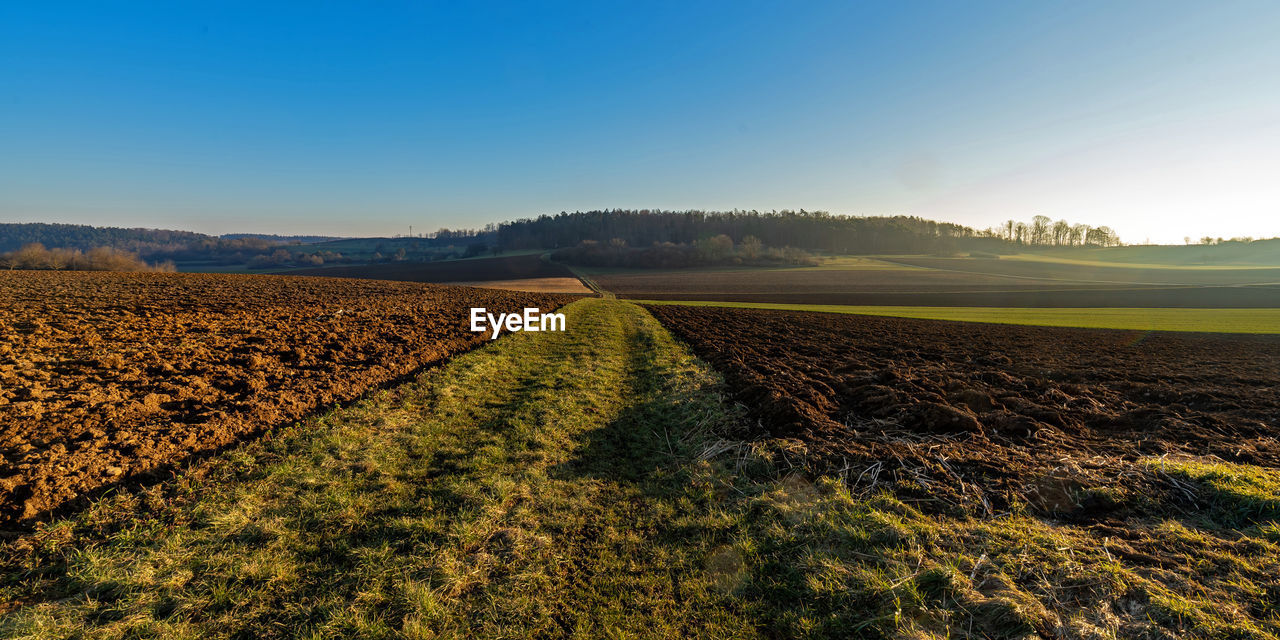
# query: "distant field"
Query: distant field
836,263
532,285
857,263
923,281
1264,253
364,248
1051,269
513,267
1086,261
1258,321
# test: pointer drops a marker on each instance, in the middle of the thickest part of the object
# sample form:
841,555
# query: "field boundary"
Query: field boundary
586,281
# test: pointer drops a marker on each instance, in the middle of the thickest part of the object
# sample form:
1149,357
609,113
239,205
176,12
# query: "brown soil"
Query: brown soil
108,378
982,412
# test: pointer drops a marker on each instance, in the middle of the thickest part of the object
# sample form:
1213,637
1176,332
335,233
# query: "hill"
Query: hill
282,239
1264,252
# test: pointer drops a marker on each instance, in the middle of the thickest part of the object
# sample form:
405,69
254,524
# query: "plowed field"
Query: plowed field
109,377
975,414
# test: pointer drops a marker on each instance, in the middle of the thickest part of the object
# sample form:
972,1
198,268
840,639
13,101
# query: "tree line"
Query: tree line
36,256
261,250
1043,231
157,245
809,230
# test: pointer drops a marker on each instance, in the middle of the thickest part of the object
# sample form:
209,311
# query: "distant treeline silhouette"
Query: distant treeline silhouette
1042,231
36,256
159,245
809,230
150,244
647,237
814,230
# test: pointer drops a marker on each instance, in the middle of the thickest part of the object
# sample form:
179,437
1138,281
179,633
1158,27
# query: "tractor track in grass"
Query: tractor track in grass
520,484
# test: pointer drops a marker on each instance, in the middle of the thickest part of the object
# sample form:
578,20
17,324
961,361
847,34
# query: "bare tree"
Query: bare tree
1102,237
1061,232
1078,233
1040,229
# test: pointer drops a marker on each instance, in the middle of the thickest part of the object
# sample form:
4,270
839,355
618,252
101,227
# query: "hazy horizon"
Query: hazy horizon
1156,119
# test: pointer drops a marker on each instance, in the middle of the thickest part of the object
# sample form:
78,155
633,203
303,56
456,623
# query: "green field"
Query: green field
1083,260
830,263
1263,253
1205,320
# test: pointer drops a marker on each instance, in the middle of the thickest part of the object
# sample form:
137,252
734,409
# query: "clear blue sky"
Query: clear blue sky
1161,119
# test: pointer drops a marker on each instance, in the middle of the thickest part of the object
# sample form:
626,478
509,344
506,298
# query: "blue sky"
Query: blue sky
1160,119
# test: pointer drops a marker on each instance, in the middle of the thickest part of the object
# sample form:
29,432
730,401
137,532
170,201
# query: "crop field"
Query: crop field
1003,403
957,283
809,475
516,272
105,377
1121,433
1044,268
236,456
1083,258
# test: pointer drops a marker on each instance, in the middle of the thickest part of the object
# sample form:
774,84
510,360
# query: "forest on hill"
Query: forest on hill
151,244
809,230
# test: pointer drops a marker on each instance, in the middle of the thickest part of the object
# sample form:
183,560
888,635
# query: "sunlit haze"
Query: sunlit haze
1158,119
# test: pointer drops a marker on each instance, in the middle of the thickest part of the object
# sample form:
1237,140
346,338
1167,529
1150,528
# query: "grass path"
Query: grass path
523,490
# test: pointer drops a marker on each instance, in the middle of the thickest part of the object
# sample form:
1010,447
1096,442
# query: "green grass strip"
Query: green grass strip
526,489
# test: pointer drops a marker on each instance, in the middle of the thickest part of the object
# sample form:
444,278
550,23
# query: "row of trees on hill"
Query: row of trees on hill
1043,231
157,245
810,230
36,256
